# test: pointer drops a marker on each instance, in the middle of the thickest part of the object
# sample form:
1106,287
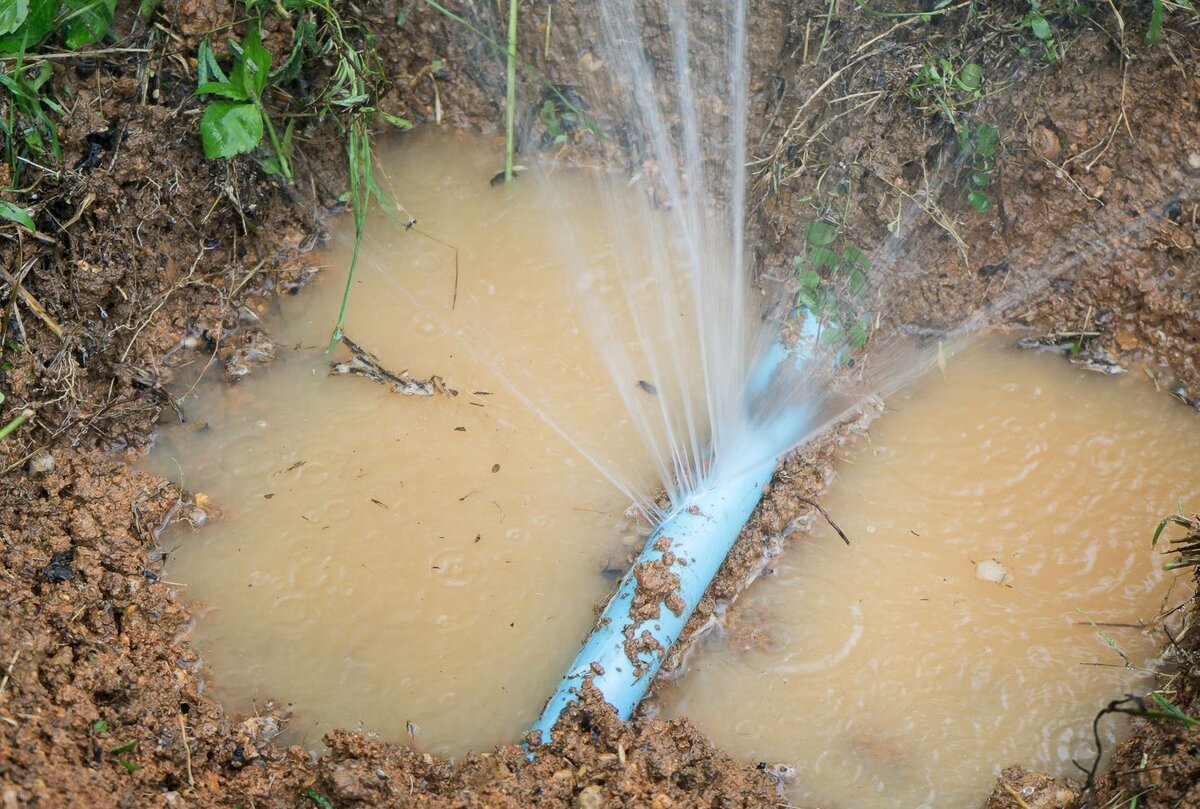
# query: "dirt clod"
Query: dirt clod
1018,788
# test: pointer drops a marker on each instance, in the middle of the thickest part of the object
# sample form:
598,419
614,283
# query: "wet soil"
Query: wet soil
152,259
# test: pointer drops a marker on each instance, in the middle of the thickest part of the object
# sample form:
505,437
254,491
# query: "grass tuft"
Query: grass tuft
1186,549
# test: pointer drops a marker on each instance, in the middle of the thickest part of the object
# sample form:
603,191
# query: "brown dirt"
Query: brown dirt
1160,764
156,259
1017,787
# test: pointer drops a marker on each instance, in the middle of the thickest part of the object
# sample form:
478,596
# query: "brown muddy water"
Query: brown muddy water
383,559
994,598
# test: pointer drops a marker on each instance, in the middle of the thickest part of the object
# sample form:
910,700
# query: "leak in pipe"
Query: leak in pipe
622,654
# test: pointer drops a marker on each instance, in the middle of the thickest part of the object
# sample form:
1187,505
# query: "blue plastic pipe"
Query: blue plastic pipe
622,654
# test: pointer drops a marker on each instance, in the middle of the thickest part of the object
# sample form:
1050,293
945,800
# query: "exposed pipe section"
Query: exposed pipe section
624,652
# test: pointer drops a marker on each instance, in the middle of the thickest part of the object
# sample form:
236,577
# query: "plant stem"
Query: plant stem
284,168
512,92
358,153
584,118
7,429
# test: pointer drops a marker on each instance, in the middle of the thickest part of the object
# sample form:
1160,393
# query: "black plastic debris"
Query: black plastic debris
59,569
988,270
97,144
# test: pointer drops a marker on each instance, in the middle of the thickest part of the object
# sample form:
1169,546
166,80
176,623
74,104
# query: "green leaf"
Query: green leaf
986,138
146,9
229,129
856,281
810,279
822,257
808,299
979,201
820,234
970,77
125,748
224,89
853,255
12,14
1172,710
257,61
402,124
548,115
207,68
88,21
1156,21
304,43
1038,24
981,178
37,25
15,213
1162,524
319,799
100,726
859,333
128,766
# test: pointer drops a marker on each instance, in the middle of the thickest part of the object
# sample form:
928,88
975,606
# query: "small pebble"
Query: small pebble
591,797
41,464
990,570
1045,142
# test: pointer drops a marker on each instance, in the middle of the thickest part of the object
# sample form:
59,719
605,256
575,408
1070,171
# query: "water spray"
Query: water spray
644,619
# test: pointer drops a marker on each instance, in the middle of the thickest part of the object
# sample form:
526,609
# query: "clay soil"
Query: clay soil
149,259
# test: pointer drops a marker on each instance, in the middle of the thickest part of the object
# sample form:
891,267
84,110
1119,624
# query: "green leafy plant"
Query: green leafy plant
949,86
556,121
237,118
1040,27
25,24
1044,22
235,124
978,146
832,275
28,112
946,85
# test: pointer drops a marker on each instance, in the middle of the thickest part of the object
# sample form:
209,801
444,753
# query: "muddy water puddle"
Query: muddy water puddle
1001,514
384,559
